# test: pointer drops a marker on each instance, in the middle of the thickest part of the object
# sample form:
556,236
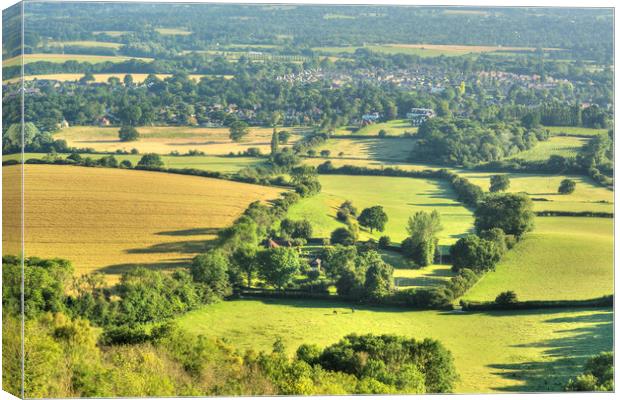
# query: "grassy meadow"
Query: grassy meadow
565,258
588,195
400,197
369,149
88,44
165,139
493,352
565,146
575,130
109,220
395,127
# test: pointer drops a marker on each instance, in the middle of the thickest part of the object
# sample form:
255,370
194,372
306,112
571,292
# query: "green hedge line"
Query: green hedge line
598,214
605,301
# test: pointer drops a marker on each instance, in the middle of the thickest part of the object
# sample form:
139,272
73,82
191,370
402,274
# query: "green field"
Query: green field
431,275
588,195
111,33
369,149
396,127
565,258
493,352
206,163
400,197
575,130
565,146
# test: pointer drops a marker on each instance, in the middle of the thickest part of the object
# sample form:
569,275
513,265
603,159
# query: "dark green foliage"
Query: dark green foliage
238,130
393,361
343,236
125,164
124,335
506,298
128,134
475,253
567,186
510,212
279,265
384,242
373,218
598,375
290,229
210,270
345,211
467,142
308,353
379,281
45,282
421,244
151,296
499,183
151,160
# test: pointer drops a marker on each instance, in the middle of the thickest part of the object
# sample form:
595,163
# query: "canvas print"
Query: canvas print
284,199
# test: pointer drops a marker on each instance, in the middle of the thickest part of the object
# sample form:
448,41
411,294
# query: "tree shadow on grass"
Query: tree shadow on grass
191,232
118,269
184,247
567,354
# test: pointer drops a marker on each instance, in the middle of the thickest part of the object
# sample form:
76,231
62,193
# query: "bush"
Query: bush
343,236
567,186
128,134
385,242
506,298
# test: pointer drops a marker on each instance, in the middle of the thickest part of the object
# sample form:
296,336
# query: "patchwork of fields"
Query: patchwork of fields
165,139
400,197
109,220
535,350
565,258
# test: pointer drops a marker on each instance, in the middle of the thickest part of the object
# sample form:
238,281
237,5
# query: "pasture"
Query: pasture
565,146
360,162
432,275
165,139
588,195
369,149
205,163
400,198
564,258
493,352
109,220
396,127
575,130
61,58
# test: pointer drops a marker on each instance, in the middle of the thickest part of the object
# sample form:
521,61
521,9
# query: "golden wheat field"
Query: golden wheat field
165,139
110,220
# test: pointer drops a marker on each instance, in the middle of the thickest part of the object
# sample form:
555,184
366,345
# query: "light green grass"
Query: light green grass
394,127
564,258
493,352
575,130
370,149
400,198
205,163
431,275
565,146
588,195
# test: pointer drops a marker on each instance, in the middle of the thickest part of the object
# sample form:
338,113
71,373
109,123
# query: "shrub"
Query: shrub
385,242
128,134
567,186
343,236
506,298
